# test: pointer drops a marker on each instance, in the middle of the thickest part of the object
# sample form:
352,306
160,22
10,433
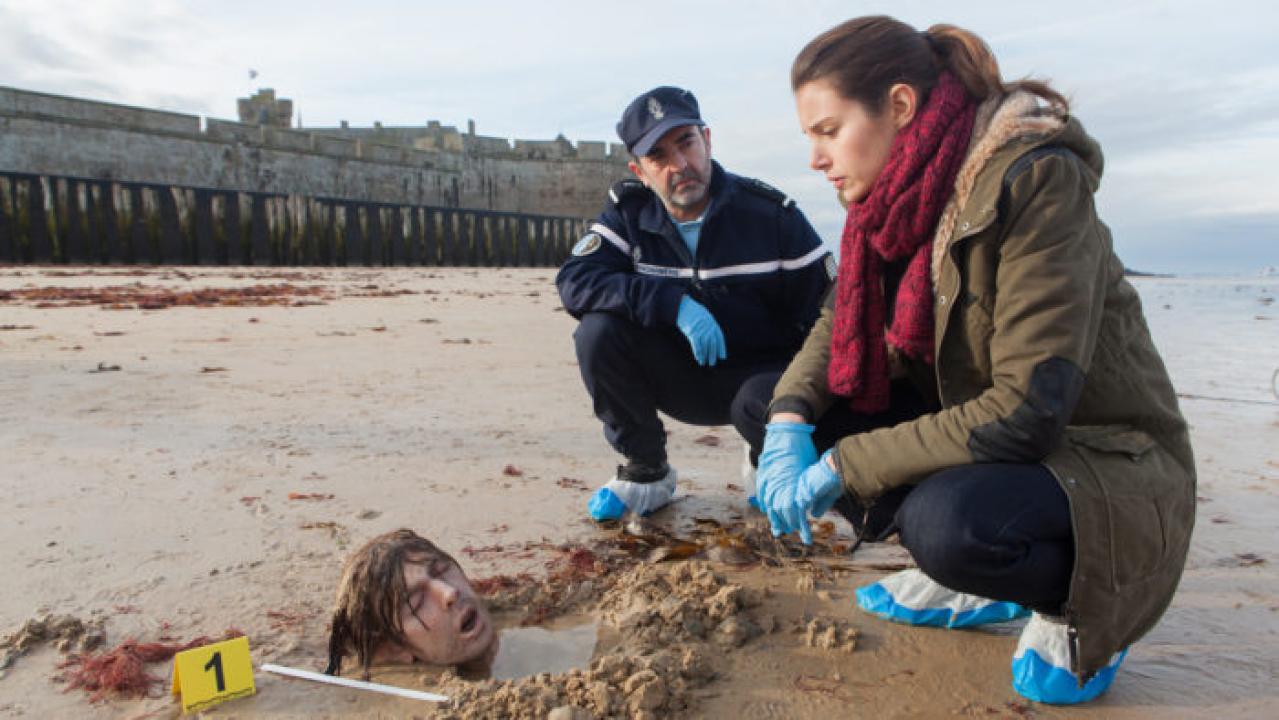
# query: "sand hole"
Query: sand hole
570,642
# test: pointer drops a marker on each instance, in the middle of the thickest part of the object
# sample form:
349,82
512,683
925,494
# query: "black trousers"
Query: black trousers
998,530
632,372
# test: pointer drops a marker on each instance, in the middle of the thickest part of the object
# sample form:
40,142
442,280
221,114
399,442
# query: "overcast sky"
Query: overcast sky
1184,96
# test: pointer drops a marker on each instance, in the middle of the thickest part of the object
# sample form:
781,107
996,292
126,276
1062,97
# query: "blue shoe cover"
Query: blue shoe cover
617,496
604,505
913,598
1041,666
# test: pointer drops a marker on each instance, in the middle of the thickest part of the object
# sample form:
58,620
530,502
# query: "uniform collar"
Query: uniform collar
653,217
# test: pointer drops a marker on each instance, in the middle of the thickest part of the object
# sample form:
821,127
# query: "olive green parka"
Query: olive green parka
1042,356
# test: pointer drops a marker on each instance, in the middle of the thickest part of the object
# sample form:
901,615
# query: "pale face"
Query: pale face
850,144
444,622
678,169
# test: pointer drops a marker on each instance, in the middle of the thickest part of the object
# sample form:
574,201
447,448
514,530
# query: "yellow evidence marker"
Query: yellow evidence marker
208,675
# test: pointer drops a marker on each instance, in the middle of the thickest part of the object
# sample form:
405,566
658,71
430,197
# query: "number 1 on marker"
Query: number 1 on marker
215,662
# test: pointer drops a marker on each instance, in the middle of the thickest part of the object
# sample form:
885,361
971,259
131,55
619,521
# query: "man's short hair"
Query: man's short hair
372,595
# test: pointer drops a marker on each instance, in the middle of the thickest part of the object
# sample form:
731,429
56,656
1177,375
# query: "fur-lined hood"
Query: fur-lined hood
1018,119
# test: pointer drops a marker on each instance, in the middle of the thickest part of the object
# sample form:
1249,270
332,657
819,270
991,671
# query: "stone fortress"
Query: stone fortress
86,181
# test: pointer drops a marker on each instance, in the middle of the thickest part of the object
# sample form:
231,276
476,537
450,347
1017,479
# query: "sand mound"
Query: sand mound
65,632
654,606
670,620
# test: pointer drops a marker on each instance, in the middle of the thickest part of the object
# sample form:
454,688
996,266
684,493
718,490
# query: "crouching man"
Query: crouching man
691,282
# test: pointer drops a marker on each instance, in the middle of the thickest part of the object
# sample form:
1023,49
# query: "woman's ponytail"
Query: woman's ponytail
864,57
972,61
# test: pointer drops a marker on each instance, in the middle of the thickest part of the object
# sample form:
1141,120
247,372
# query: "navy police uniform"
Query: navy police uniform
759,268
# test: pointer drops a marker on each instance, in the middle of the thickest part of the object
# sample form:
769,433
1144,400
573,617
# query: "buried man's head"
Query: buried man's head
402,599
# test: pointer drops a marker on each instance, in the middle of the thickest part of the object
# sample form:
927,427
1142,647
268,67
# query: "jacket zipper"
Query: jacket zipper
677,243
1068,610
697,279
962,233
1072,645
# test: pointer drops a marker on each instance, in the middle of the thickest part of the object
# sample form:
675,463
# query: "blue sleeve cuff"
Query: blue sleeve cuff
790,427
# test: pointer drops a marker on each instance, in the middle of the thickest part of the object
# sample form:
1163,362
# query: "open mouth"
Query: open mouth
470,620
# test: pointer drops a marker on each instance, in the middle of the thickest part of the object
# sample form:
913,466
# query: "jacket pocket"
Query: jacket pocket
1137,497
1118,439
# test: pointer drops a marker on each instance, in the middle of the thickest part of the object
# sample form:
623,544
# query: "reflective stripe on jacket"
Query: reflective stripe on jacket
760,268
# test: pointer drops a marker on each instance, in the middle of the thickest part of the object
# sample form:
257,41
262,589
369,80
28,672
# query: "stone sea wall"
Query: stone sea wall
98,182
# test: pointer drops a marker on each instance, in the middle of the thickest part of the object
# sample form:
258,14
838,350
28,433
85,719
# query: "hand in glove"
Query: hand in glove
786,510
702,331
792,497
820,486
788,449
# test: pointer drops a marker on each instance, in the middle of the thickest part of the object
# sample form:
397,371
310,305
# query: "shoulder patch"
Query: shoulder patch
623,188
588,244
763,189
1023,163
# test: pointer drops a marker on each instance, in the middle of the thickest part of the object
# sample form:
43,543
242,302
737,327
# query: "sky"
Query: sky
1183,96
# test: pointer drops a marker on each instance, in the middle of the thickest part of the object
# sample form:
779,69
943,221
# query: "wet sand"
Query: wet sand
220,475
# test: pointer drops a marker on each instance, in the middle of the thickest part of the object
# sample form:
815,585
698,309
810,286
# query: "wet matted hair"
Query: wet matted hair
372,594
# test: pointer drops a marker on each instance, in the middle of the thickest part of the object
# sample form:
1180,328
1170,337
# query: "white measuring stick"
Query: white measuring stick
357,684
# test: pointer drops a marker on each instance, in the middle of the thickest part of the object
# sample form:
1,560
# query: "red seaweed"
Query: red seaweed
122,669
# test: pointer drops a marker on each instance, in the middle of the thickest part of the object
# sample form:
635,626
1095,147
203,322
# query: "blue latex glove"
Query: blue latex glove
788,449
820,486
791,498
786,510
702,331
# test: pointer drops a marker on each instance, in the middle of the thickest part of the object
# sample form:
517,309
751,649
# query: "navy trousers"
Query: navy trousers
998,530
632,372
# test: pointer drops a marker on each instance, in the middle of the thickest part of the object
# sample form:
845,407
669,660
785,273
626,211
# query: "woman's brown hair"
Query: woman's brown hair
864,57
372,594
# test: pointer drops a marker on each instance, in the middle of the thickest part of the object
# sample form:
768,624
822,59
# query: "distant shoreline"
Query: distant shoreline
1129,272
1266,272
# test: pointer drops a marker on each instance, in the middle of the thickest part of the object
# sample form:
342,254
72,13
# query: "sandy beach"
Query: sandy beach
173,465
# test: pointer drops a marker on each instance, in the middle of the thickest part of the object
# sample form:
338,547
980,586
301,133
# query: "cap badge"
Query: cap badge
655,109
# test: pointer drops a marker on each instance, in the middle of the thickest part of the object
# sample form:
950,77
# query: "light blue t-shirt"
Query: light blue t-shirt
691,231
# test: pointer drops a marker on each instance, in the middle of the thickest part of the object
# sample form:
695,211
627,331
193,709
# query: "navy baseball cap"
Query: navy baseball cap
650,115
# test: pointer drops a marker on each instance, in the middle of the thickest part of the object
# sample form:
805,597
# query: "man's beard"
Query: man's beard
691,195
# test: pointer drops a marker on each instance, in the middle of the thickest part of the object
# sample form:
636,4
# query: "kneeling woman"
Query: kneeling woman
982,379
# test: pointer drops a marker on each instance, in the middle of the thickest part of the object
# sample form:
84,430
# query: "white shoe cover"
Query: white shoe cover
1041,665
617,496
911,597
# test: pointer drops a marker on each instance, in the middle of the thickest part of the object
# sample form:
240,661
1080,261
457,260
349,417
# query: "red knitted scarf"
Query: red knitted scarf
896,221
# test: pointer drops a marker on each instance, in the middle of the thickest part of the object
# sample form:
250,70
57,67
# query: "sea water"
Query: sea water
531,650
